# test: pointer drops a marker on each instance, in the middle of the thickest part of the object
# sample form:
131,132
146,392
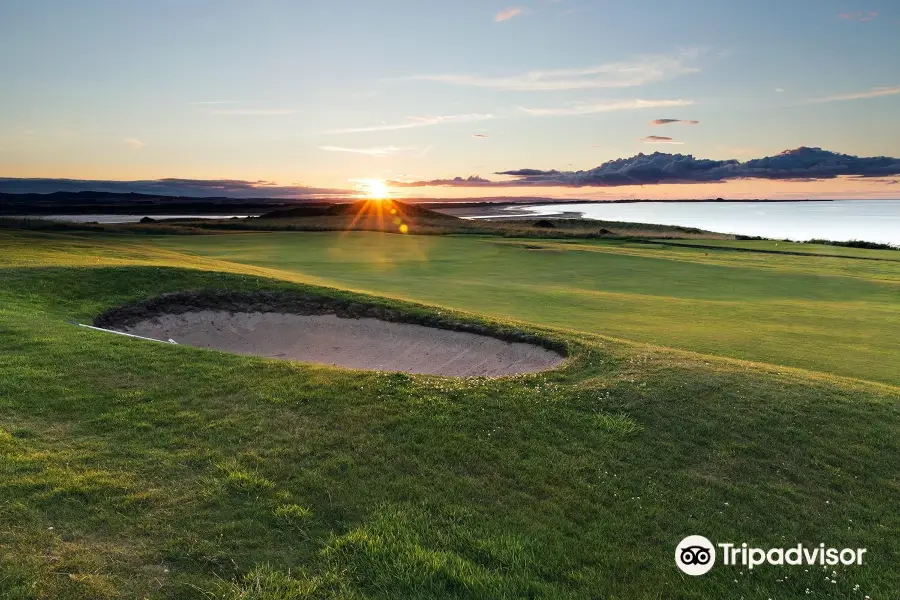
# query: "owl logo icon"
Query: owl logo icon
695,555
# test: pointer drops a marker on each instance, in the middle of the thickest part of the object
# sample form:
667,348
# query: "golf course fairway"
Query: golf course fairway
837,315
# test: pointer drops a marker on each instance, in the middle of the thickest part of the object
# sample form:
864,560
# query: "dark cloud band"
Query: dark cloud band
660,167
671,121
196,188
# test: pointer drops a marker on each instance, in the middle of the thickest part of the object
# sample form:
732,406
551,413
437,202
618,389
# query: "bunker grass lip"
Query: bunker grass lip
336,331
357,343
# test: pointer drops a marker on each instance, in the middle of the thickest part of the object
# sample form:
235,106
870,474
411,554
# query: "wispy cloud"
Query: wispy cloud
376,151
861,16
255,112
134,143
508,13
599,107
873,93
659,139
635,72
470,181
413,122
213,102
671,121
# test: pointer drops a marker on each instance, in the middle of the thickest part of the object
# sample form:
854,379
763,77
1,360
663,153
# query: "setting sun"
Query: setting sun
377,190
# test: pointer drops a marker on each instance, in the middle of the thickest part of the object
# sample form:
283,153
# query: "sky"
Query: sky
329,94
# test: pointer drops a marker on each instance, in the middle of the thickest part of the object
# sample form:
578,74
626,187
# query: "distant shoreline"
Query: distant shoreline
507,209
501,207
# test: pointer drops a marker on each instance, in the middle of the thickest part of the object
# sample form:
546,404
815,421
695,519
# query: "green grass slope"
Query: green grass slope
132,469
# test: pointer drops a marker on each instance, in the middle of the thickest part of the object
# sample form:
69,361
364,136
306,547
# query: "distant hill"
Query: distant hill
319,209
90,202
130,203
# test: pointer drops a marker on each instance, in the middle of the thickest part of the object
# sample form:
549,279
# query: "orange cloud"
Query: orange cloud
508,13
659,139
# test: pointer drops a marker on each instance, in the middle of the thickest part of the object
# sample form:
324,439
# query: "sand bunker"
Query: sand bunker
357,343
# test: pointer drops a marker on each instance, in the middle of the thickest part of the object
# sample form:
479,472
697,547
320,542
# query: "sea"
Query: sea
837,220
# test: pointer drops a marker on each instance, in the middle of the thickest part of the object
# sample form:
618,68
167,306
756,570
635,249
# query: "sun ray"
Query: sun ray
377,211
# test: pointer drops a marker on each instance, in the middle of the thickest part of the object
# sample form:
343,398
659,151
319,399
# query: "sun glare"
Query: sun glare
377,190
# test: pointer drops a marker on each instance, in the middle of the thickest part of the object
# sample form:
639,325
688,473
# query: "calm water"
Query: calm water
127,218
869,220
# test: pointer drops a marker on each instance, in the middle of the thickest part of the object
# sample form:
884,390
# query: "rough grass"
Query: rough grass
131,469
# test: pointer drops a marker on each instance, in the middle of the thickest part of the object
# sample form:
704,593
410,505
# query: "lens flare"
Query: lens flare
377,211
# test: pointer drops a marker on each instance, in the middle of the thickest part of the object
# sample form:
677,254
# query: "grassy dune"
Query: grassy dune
133,469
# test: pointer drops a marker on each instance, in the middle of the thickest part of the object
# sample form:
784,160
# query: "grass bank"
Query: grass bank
133,469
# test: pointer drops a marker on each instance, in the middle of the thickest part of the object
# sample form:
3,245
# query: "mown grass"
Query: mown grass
133,469
834,315
786,247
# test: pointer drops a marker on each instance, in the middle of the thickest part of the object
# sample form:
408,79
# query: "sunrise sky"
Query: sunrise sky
331,93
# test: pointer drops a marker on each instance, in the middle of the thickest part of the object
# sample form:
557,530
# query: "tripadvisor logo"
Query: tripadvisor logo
696,555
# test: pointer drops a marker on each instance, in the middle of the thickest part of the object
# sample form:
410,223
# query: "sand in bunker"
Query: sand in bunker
354,343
